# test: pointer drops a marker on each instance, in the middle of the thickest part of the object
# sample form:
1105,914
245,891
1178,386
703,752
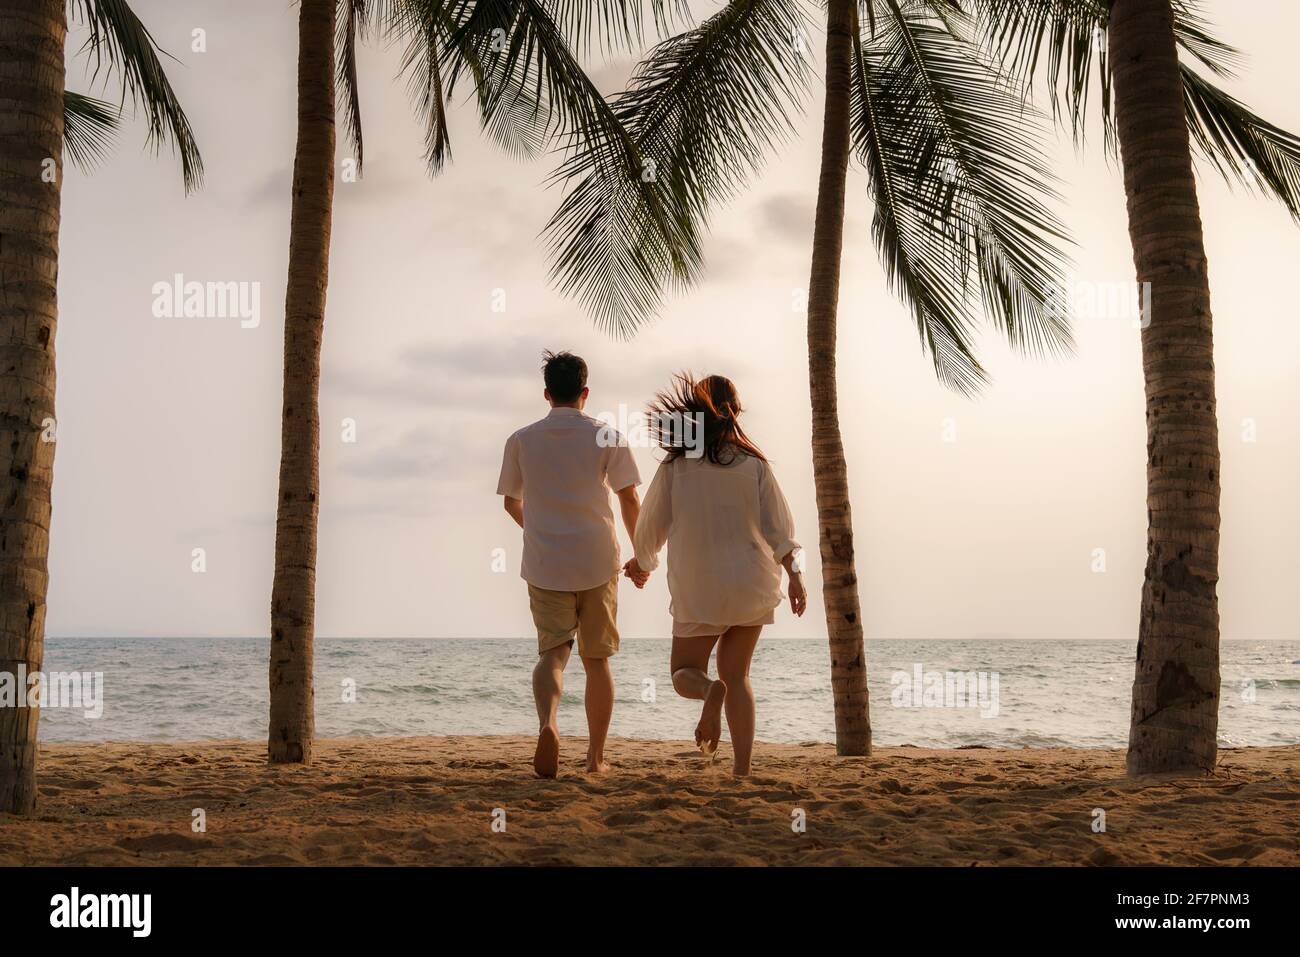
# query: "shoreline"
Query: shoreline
469,800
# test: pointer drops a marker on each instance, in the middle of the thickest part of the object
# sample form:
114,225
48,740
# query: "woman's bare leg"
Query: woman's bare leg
735,652
690,668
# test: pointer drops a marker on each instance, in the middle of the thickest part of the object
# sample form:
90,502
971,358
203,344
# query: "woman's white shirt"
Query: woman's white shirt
727,528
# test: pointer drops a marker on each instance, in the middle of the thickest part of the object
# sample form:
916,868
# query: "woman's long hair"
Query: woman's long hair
700,415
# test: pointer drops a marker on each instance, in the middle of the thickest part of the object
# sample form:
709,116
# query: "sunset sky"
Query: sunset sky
169,428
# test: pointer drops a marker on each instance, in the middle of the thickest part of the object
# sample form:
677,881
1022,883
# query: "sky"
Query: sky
973,518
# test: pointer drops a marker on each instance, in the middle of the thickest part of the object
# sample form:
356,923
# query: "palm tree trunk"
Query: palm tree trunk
1175,713
31,177
830,472
293,596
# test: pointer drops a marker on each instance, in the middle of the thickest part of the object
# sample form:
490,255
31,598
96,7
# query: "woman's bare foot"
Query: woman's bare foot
596,764
708,733
546,759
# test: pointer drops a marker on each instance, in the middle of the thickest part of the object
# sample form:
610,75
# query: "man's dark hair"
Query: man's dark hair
565,375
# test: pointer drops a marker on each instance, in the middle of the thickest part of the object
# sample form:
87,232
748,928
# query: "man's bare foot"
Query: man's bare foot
708,733
596,765
546,759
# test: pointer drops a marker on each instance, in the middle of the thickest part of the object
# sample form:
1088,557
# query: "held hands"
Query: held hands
798,596
633,571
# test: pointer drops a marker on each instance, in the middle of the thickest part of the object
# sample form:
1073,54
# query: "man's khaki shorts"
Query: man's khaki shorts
591,614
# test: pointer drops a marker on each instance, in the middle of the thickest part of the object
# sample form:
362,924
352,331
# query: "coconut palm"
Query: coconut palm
529,88
293,593
962,216
1158,106
37,120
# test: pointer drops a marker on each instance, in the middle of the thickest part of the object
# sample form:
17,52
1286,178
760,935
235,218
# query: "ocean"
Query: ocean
1024,693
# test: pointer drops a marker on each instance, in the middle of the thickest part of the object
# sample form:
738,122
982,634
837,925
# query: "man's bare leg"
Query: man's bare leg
690,668
600,708
548,686
735,652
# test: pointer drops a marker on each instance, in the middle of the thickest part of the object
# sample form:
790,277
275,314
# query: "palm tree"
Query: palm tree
1175,714
1157,108
293,594
830,469
37,119
529,88
955,176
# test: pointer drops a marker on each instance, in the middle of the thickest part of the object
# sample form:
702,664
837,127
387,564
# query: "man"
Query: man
556,477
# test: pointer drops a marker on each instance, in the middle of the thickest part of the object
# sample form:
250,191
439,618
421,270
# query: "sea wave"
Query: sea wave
1050,693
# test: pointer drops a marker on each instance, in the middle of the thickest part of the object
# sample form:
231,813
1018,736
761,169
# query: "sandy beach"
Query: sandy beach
432,801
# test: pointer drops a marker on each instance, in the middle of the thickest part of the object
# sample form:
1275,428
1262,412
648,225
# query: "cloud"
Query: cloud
789,216
467,384
455,376
445,452
512,359
370,510
396,462
778,240
386,178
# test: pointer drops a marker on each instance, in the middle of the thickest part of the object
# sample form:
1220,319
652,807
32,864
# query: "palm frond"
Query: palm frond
1243,147
426,25
702,110
89,128
120,43
961,191
1072,33
510,54
920,270
532,90
1193,32
445,43
520,59
1060,40
349,25
449,40
422,59
616,25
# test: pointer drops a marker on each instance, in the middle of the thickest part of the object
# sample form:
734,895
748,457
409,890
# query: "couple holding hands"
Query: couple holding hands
716,505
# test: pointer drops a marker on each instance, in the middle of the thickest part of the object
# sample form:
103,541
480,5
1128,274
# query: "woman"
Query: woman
716,504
